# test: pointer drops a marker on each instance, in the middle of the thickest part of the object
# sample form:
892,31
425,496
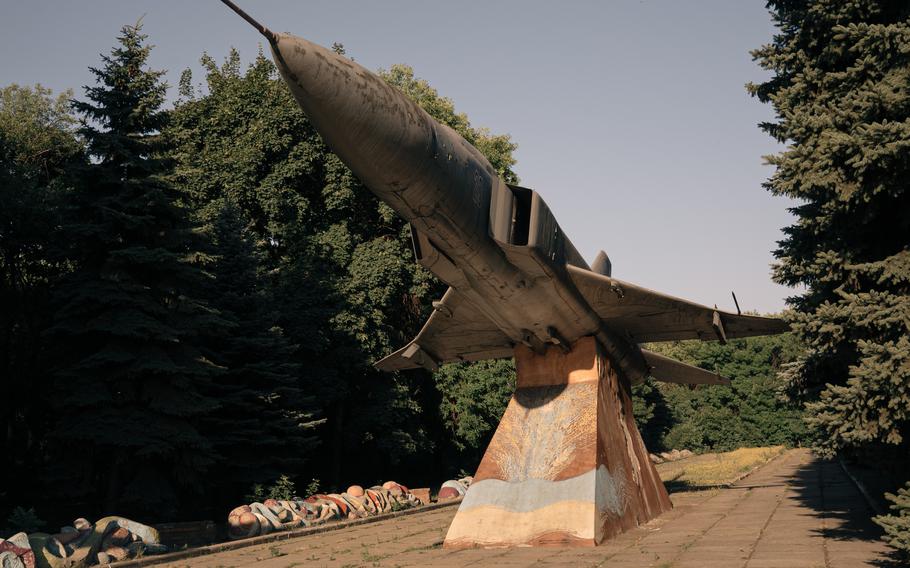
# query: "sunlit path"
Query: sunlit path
795,512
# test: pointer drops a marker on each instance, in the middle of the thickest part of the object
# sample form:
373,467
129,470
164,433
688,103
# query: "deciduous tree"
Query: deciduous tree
339,261
37,148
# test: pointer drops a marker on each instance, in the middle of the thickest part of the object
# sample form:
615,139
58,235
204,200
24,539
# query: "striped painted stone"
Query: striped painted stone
566,465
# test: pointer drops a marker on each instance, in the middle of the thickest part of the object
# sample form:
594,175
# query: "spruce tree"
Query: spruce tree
897,524
841,91
264,426
130,376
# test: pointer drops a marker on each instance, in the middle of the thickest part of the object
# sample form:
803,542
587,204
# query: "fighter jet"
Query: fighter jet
514,276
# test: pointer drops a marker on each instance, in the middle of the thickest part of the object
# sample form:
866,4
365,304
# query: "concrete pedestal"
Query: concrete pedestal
566,465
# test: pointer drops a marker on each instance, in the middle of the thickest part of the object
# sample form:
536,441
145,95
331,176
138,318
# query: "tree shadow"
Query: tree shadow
825,491
683,486
826,494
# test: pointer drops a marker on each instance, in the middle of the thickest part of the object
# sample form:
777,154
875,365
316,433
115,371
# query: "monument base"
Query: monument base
566,465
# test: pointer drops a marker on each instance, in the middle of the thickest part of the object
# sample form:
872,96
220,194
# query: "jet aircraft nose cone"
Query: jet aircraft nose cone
381,135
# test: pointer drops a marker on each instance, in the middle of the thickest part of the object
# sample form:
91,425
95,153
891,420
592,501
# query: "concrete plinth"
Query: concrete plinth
566,465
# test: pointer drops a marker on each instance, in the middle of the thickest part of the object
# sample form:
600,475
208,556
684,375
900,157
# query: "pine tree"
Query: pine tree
264,427
130,376
841,91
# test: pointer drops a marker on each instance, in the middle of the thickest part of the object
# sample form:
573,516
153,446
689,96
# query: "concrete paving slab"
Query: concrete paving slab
795,512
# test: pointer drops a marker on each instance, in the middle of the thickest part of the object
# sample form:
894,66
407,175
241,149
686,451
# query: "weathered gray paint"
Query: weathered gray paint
515,276
597,485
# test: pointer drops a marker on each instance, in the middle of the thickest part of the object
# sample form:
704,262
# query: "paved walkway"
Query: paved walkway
795,512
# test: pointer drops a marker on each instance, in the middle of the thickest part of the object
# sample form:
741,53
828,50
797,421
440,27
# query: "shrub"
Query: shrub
684,436
282,489
24,520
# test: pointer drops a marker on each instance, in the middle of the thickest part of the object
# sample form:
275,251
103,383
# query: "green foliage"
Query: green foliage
652,415
686,435
750,412
24,520
262,410
644,401
283,488
897,524
312,487
841,91
222,284
257,494
130,376
241,145
243,139
212,283
36,129
474,397
37,148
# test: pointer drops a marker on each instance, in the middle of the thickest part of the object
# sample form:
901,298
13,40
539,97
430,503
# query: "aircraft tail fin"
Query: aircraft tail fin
669,370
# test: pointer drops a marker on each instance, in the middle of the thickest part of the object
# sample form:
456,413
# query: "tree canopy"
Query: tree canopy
749,412
38,146
340,268
193,298
841,92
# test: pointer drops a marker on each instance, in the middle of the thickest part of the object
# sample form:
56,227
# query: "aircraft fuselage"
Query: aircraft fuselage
499,246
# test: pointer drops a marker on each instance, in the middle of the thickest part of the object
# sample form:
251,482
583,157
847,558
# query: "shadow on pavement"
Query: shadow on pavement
824,489
680,486
677,486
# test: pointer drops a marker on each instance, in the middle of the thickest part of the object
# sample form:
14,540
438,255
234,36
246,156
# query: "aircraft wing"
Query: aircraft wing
672,371
456,331
646,315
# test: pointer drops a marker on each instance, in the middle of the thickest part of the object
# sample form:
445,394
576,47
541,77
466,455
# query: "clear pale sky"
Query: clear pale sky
631,117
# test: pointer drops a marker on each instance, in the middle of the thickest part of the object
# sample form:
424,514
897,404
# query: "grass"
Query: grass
367,557
714,470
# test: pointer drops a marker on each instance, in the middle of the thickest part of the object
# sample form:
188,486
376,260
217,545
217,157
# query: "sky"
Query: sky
631,116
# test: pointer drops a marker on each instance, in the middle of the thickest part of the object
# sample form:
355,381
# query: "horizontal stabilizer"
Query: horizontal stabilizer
456,331
669,370
411,356
645,315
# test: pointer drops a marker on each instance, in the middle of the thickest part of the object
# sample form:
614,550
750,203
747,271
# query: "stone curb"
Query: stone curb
862,488
273,537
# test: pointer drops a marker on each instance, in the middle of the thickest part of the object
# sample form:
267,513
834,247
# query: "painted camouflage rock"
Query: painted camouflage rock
273,515
109,540
454,489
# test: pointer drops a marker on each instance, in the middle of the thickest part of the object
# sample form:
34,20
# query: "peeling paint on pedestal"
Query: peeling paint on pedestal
566,465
